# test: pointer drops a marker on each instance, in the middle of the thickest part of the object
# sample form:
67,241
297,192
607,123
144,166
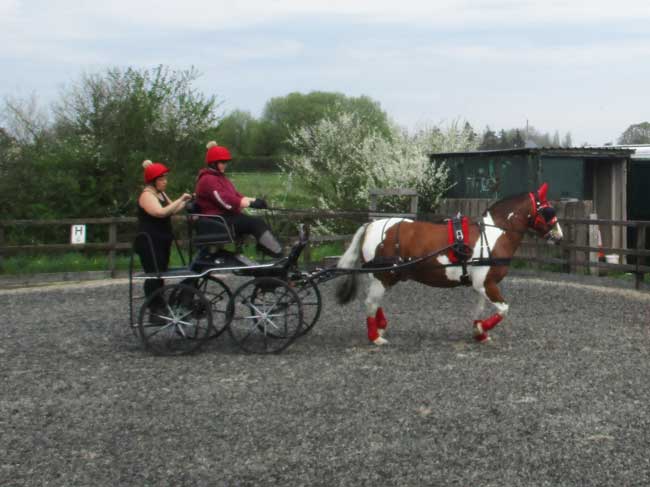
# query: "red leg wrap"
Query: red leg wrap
481,327
491,322
382,323
373,334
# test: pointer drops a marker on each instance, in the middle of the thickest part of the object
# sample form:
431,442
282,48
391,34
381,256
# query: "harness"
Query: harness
458,251
461,251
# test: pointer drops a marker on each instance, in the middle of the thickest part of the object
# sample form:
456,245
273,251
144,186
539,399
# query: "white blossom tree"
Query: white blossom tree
339,159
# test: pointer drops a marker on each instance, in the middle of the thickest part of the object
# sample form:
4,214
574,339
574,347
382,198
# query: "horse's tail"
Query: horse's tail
346,291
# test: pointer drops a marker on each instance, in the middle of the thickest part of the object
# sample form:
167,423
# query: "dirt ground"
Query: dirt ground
560,397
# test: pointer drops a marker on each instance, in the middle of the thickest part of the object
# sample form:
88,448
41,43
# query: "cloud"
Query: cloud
441,59
8,8
219,15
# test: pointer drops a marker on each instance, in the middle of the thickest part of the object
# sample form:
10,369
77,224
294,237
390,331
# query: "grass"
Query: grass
81,262
277,188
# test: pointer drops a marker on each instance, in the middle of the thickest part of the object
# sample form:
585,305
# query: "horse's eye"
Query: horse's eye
547,213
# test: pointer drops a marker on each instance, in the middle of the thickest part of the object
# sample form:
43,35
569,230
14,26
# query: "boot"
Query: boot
269,245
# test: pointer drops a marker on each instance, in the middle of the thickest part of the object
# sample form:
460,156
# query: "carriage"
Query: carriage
278,302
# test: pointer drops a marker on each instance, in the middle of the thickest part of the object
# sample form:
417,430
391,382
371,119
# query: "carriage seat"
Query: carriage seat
213,230
207,229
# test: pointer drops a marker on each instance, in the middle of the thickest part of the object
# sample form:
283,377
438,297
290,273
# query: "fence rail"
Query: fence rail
578,252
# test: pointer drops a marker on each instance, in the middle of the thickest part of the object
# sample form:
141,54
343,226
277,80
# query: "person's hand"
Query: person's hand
186,197
259,204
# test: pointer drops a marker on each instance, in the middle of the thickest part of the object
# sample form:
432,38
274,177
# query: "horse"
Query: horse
402,249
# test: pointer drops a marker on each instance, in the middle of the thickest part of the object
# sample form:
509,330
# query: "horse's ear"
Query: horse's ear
543,189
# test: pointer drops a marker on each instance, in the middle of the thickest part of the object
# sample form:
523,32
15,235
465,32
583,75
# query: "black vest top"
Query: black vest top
158,228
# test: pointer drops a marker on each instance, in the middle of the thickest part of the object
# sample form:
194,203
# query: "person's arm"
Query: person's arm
226,196
151,204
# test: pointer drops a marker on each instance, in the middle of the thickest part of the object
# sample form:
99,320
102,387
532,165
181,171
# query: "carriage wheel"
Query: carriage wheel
174,321
311,301
136,299
265,315
219,296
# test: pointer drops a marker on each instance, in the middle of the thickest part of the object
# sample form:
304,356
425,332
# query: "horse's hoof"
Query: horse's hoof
380,341
482,337
478,328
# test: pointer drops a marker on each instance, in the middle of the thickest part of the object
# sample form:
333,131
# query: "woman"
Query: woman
216,195
155,210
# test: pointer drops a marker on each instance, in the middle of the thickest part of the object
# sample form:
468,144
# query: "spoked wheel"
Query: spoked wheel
218,296
174,320
136,299
310,299
265,315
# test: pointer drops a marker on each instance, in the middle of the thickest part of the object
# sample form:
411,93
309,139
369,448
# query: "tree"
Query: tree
504,140
556,139
490,140
88,159
339,159
283,115
236,131
635,134
518,141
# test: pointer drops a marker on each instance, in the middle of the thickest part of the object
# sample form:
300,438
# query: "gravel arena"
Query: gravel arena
559,397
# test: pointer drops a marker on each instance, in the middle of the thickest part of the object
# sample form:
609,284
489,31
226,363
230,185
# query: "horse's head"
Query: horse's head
542,218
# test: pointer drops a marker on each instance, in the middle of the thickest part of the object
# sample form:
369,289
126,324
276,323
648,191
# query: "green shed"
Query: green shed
597,174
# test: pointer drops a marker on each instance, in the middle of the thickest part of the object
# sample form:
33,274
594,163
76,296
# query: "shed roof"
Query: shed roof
641,151
583,152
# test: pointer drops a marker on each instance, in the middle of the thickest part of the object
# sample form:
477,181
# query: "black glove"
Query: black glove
259,204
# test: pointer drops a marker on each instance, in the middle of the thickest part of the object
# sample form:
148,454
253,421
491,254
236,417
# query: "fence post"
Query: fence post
594,240
640,245
112,242
2,242
414,204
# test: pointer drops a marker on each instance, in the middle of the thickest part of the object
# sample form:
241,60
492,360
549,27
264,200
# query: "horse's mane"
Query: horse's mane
504,201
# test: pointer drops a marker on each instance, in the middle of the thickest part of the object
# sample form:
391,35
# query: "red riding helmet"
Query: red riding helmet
153,170
216,153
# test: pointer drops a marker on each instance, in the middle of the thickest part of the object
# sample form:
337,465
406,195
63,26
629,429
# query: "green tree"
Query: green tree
88,160
237,132
340,158
490,141
517,140
638,133
504,140
282,115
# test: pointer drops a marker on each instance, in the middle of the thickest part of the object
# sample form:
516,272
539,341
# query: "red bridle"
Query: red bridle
537,220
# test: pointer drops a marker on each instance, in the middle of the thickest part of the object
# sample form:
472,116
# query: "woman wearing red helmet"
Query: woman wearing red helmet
155,210
216,195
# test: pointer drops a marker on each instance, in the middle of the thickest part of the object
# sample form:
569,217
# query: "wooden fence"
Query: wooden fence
578,252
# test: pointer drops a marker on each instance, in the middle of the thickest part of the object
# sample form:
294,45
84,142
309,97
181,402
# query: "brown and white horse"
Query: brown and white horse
492,241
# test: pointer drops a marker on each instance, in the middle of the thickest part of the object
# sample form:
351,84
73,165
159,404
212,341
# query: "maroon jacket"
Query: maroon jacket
216,195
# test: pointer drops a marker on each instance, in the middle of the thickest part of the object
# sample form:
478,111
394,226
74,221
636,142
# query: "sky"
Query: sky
573,66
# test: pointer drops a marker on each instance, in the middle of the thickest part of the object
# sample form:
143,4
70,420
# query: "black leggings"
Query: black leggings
247,225
158,262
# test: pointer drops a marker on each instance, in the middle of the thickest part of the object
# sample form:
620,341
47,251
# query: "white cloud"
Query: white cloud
8,8
250,51
220,15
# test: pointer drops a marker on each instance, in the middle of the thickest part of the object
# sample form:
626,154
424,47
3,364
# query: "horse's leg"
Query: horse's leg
382,322
374,312
481,327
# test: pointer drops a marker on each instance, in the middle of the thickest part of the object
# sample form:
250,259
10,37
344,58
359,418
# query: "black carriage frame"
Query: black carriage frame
265,314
